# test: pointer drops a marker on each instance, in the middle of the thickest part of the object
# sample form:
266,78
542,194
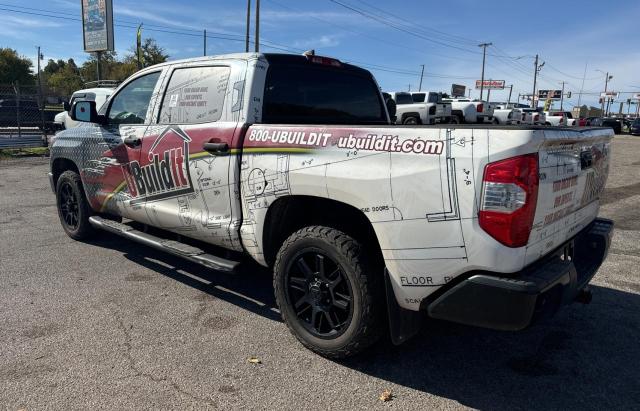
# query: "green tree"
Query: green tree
66,80
150,53
15,68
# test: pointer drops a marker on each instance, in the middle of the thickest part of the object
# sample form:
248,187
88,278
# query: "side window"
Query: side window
195,95
130,105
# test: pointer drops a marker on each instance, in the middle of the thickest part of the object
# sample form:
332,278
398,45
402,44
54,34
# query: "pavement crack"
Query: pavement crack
138,372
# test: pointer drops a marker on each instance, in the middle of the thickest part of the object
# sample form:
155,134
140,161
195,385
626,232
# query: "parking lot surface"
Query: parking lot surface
113,324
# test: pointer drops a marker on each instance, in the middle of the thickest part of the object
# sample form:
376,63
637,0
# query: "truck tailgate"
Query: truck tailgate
573,170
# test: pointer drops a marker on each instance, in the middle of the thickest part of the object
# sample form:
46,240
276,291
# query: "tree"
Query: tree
150,53
66,80
15,68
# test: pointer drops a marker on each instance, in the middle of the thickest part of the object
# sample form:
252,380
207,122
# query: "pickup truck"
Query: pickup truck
504,115
465,110
555,118
291,161
411,112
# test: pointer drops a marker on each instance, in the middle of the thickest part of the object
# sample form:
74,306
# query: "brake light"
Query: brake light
326,61
509,197
536,117
480,108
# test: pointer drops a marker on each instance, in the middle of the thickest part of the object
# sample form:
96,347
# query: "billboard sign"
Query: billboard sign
458,90
490,84
97,25
609,95
549,94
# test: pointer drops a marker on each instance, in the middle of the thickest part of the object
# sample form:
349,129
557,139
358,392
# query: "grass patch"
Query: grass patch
24,152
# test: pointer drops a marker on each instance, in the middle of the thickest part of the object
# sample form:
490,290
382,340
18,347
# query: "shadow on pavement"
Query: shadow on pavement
586,357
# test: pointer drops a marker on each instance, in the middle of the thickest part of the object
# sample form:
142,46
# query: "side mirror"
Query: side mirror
66,106
85,111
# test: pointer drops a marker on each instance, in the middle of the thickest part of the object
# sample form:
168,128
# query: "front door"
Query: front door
114,148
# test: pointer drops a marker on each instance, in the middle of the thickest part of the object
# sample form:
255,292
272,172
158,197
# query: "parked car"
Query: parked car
291,161
635,127
409,112
555,118
469,111
63,121
614,123
534,116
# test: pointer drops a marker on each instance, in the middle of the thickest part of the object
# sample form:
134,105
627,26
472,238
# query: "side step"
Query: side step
176,248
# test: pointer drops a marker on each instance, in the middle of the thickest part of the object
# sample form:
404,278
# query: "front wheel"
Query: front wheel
329,294
73,208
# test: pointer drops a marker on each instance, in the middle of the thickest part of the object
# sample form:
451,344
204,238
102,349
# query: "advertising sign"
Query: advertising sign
490,84
609,95
97,25
458,90
552,94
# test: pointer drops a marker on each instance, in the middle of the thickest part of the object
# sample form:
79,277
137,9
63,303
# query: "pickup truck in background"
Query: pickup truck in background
505,115
555,118
443,110
63,121
291,161
568,117
410,112
465,110
533,117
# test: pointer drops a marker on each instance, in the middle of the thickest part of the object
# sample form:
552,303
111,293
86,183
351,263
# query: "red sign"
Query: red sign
490,84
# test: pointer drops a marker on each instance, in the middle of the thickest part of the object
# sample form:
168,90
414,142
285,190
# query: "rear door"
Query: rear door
188,158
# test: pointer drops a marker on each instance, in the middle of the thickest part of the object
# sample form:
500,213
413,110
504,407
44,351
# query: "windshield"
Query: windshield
303,94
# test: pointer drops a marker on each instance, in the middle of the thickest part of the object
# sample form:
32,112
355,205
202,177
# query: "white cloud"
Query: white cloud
323,41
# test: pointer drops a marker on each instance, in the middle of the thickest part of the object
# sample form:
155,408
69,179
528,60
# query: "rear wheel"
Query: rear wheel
455,120
73,208
410,121
329,297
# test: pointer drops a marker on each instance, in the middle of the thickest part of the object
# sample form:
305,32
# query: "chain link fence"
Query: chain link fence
27,115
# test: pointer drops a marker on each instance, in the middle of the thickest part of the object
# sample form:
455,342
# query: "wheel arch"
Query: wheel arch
288,214
411,114
60,165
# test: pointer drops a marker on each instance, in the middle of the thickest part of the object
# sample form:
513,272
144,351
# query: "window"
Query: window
195,95
434,97
418,97
404,98
301,94
130,105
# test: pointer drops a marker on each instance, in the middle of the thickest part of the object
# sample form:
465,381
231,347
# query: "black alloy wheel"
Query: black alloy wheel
320,293
69,206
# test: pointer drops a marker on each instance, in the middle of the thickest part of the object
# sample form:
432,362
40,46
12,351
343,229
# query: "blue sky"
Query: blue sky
392,39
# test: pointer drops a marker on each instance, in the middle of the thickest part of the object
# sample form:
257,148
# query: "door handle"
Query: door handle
132,141
217,149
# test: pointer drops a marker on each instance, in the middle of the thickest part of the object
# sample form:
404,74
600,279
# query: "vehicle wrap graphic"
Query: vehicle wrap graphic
165,175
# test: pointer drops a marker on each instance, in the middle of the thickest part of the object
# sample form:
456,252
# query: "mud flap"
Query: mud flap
403,323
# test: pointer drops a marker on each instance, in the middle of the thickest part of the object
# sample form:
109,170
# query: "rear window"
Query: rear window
299,94
405,98
418,97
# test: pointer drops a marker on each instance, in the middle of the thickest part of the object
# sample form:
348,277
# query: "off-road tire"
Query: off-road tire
83,229
368,321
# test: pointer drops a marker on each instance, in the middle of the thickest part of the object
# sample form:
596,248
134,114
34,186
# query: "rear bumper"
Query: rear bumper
514,302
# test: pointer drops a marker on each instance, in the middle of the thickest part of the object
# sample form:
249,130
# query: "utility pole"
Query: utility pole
139,45
484,58
534,102
606,84
562,97
257,26
246,42
510,91
421,75
205,42
582,86
488,92
98,72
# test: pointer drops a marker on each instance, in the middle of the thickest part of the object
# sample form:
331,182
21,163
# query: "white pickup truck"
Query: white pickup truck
469,111
505,115
411,112
63,121
291,161
555,118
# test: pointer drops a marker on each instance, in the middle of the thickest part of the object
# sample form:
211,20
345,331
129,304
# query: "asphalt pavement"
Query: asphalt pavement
112,324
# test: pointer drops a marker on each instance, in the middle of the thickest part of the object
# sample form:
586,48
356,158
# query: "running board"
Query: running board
176,248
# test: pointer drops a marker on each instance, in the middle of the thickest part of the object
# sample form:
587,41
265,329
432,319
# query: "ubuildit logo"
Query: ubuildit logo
166,175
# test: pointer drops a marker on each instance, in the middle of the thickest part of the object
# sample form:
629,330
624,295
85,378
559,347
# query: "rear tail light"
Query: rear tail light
480,108
536,117
509,196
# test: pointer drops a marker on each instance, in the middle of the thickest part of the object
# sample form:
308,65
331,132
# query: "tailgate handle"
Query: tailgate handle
586,159
217,149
